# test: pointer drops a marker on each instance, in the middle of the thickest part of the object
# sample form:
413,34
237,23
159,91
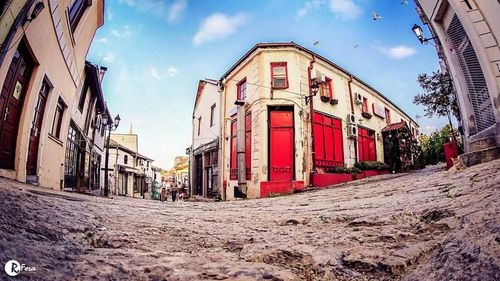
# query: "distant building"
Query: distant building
468,36
277,138
43,45
131,173
181,166
204,168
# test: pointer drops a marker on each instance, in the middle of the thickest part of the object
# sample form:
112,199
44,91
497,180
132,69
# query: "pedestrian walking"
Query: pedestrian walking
174,190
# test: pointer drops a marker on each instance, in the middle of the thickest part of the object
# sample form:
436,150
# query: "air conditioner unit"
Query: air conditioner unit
351,119
352,131
358,99
320,77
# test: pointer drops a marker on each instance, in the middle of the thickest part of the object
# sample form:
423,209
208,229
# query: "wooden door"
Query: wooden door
36,127
281,149
11,105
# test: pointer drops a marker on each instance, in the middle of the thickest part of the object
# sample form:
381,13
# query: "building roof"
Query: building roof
303,49
395,126
201,87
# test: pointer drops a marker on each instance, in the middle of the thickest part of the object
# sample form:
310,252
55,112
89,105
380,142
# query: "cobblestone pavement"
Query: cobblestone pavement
427,225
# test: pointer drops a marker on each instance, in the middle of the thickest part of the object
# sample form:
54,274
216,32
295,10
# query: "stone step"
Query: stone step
480,156
482,144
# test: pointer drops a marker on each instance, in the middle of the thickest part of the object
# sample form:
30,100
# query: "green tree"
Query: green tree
438,97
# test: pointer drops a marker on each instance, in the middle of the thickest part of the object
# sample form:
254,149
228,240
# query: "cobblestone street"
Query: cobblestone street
427,225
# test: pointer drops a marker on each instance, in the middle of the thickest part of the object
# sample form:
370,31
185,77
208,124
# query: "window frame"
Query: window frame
125,159
233,166
327,125
60,107
364,106
212,115
199,125
76,11
387,115
239,90
329,84
279,64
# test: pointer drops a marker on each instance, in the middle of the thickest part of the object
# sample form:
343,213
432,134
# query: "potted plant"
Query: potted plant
334,101
325,98
367,115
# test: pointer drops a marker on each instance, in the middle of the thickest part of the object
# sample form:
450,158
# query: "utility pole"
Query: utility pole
240,148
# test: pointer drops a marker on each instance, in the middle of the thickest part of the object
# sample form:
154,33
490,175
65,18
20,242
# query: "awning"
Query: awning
395,126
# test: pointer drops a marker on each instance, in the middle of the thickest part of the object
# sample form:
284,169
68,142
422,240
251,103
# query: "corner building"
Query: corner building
286,138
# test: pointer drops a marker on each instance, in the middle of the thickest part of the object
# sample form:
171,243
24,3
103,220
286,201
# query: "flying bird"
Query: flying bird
404,2
316,43
355,46
376,16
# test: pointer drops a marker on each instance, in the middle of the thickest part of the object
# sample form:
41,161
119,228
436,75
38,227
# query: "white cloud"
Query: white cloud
171,11
102,40
218,26
109,57
109,15
159,75
155,73
125,31
172,71
309,6
398,52
176,10
345,10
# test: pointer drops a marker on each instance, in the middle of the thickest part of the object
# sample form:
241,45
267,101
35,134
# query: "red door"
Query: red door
11,104
36,127
281,139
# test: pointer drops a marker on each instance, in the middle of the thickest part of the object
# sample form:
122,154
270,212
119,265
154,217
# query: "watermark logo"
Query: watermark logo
14,268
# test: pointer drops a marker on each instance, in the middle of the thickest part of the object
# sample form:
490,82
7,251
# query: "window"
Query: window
199,125
125,159
328,141
365,105
387,116
83,97
242,89
248,145
212,115
76,10
366,145
233,170
326,88
279,75
57,121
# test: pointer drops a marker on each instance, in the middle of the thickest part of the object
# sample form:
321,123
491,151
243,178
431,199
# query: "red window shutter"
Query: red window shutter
248,145
338,141
319,141
328,131
233,171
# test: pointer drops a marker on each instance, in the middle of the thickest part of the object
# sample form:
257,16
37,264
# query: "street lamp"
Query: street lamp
109,125
314,90
419,33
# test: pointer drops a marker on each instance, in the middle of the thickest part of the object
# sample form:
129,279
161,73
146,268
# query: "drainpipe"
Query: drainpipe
240,150
352,111
311,110
222,139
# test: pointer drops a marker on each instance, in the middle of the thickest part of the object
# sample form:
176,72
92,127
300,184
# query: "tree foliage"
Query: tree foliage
433,145
438,96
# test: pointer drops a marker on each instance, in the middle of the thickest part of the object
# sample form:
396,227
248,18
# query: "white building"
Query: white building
204,169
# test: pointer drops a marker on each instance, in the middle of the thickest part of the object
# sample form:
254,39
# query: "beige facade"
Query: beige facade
53,47
262,97
468,34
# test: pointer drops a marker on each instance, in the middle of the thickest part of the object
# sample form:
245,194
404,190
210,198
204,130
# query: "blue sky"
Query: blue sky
157,50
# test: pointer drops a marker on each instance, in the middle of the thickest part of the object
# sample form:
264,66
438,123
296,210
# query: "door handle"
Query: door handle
6,113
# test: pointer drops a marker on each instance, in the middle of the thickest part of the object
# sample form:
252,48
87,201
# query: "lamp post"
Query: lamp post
109,125
419,33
